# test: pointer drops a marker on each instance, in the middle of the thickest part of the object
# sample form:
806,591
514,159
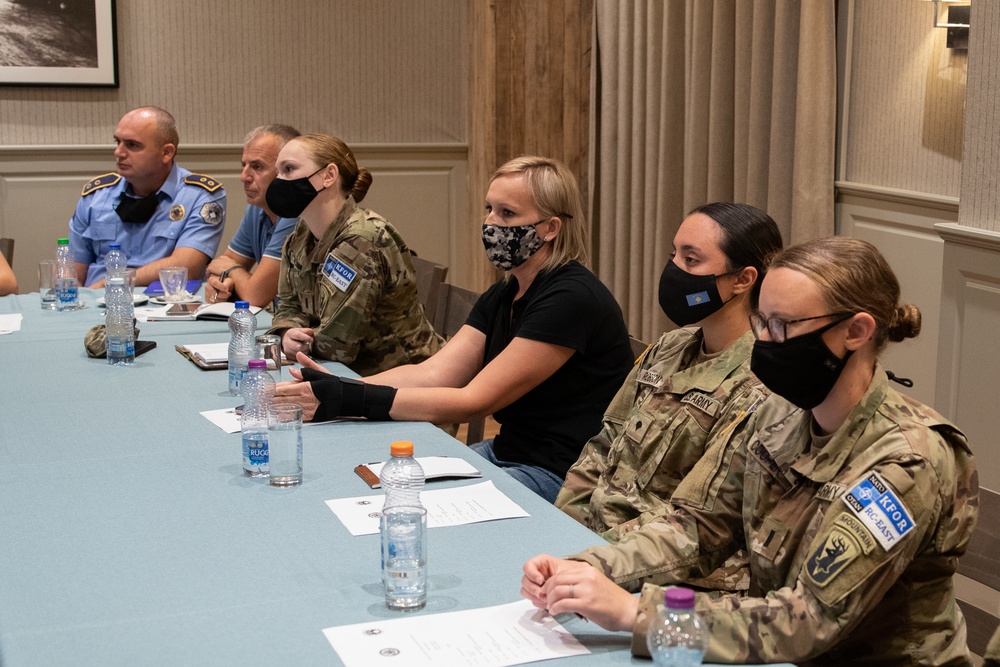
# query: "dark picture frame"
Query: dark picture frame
58,43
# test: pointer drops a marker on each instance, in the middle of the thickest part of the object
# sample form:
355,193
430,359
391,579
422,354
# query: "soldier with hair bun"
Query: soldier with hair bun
854,501
347,289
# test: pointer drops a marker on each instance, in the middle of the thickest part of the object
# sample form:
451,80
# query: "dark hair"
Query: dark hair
749,238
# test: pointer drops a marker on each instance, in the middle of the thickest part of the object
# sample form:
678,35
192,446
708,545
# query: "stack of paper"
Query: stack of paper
210,353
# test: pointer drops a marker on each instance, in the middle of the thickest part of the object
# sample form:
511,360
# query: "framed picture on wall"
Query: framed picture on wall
58,43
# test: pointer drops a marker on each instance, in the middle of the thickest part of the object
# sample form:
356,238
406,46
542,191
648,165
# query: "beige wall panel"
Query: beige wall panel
980,194
421,190
968,363
905,235
376,71
906,100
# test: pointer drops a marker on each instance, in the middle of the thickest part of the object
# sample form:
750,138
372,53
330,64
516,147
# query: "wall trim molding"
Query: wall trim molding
897,195
55,151
970,236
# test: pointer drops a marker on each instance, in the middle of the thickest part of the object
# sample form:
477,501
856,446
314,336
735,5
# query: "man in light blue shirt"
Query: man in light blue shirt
162,214
261,234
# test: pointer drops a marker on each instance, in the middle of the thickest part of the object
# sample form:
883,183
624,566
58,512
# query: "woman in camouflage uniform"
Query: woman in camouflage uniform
347,286
854,501
692,392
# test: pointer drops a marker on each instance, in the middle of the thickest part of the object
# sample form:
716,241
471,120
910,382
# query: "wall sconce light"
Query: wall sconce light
957,22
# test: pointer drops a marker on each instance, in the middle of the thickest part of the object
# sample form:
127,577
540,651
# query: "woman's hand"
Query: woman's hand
297,392
295,340
565,586
306,362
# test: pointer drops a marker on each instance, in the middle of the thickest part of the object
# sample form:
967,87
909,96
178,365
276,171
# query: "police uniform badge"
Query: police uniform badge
102,181
338,273
212,213
177,212
201,180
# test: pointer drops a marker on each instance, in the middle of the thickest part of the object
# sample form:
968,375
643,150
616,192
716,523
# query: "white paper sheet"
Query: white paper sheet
473,503
10,323
226,419
509,634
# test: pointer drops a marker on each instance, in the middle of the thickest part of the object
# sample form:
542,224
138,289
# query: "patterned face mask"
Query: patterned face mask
510,247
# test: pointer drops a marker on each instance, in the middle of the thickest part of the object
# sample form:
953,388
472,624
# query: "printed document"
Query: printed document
508,634
445,507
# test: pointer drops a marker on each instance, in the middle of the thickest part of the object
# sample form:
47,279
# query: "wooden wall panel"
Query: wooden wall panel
530,69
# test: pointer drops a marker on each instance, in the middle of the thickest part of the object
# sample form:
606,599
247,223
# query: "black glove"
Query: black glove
345,397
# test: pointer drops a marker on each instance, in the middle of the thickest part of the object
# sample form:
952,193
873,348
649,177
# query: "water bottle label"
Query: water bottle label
255,450
236,376
120,347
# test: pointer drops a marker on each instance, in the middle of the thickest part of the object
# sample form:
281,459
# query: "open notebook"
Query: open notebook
182,312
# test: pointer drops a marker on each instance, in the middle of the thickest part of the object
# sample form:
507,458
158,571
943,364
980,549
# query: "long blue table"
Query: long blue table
129,535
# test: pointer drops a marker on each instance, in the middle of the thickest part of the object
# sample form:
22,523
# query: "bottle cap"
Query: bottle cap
243,304
401,448
257,363
114,246
679,598
62,242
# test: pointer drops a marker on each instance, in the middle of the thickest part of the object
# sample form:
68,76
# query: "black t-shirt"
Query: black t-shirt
568,306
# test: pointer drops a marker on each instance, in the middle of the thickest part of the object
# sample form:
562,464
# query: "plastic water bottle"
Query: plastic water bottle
119,335
258,390
676,637
242,345
115,261
67,288
403,528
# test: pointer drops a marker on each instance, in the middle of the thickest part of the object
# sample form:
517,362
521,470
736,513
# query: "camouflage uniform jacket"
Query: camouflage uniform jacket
852,543
669,412
356,287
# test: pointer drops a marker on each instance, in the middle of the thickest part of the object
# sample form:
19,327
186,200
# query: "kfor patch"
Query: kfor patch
880,510
340,274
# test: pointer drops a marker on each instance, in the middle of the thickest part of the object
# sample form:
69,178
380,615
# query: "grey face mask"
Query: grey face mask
510,247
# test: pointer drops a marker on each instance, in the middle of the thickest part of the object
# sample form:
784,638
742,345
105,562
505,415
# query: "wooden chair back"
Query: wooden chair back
980,602
7,250
453,307
430,276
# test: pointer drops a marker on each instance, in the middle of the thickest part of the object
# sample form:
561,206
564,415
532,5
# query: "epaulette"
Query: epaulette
102,181
204,181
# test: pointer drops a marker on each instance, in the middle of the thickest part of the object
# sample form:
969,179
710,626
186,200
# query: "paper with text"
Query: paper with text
445,507
508,634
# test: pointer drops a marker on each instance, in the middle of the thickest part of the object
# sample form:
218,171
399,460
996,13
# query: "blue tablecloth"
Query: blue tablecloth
129,535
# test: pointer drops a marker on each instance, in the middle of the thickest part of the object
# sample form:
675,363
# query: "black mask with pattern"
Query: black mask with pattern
510,247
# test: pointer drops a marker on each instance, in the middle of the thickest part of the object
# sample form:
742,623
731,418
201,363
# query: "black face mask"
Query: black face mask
687,298
130,209
287,199
802,370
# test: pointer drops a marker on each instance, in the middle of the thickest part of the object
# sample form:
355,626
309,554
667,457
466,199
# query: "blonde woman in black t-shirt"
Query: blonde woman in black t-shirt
543,350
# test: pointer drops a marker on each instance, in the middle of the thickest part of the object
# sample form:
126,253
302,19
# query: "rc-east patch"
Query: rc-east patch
338,273
876,512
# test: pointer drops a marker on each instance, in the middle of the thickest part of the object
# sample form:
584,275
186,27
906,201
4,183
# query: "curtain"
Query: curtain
706,100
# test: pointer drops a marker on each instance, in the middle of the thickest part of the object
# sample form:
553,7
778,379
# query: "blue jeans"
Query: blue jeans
543,482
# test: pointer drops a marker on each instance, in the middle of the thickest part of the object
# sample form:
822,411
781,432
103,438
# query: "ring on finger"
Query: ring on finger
571,590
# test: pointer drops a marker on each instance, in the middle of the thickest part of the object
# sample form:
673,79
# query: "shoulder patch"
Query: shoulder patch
102,181
338,273
880,510
204,181
832,556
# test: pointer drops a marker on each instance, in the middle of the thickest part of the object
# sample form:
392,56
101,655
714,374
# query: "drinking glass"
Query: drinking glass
174,281
269,349
284,444
47,283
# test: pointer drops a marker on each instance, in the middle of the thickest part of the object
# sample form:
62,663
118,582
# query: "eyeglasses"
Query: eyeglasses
777,328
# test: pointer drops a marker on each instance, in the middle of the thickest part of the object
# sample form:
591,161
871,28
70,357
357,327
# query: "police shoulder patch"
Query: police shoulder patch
102,181
203,181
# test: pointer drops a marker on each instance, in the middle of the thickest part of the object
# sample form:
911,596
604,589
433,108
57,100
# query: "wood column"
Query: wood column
530,94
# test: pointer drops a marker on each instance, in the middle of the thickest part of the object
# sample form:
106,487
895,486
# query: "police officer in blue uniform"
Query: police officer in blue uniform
162,214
